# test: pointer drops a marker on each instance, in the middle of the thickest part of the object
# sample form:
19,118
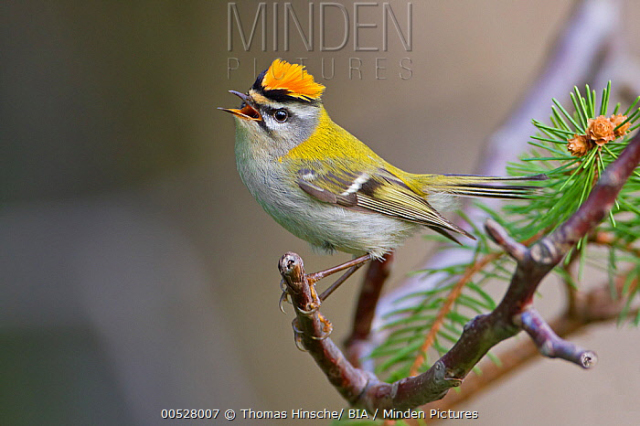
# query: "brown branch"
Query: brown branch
311,331
516,357
446,307
455,293
548,342
480,334
592,307
357,386
357,344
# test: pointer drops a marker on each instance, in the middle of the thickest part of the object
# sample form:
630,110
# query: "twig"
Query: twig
312,331
548,342
516,249
446,307
362,389
356,344
594,306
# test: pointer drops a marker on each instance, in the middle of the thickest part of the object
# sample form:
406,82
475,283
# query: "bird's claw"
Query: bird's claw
297,336
284,297
327,328
313,310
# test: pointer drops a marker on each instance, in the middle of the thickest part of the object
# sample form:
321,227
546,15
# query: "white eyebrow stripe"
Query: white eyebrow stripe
357,184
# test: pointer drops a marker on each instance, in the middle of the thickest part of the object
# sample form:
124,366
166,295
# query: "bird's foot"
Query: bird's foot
351,266
298,334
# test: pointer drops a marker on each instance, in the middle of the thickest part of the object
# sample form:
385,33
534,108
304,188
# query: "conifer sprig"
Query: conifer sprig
572,150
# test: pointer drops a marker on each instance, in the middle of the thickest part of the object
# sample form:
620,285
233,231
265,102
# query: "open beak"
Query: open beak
246,110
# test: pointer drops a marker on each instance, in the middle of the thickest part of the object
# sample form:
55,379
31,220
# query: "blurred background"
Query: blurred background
137,272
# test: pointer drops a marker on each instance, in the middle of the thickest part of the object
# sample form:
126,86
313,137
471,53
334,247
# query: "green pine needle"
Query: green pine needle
570,181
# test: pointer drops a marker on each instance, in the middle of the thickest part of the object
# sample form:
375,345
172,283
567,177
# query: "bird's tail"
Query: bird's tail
480,186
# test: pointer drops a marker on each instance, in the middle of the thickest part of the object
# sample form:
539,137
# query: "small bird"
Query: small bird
325,186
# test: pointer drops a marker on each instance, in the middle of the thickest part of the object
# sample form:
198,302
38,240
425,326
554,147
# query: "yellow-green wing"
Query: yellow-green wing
371,189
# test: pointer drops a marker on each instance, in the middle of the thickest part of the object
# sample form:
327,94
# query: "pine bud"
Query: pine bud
579,145
616,120
600,130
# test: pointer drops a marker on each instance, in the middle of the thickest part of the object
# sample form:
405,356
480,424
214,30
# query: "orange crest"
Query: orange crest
293,78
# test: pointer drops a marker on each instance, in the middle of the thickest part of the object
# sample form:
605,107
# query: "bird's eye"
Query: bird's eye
281,115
